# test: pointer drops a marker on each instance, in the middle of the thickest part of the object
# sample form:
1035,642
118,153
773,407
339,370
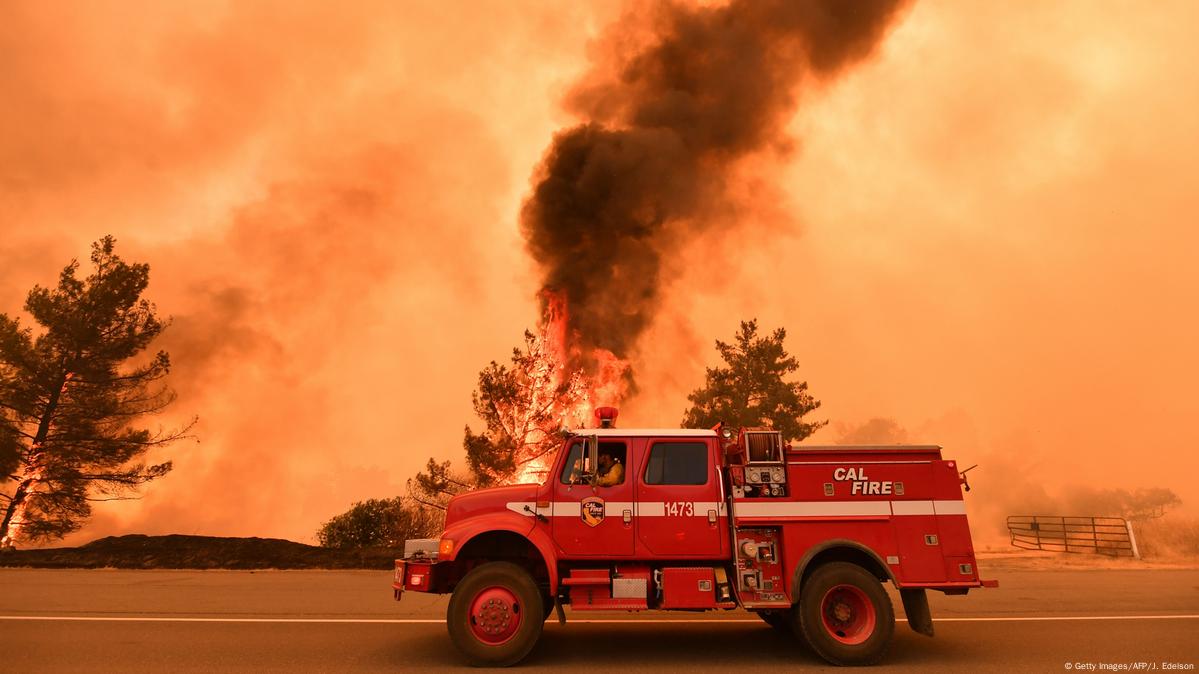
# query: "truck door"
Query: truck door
679,509
595,520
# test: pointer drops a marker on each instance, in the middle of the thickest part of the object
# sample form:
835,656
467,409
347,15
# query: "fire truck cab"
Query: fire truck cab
684,519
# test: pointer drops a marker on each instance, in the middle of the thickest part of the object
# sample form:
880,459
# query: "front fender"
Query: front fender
525,526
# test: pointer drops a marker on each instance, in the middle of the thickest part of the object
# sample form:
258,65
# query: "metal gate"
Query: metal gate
1102,535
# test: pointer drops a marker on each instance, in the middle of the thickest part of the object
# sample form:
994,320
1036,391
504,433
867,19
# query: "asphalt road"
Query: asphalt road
338,621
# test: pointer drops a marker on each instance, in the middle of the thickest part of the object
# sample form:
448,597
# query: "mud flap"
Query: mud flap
915,607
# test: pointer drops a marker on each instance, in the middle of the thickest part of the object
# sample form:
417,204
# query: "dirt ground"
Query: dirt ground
1032,560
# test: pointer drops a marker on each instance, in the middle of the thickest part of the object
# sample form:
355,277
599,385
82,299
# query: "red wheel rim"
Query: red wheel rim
495,615
848,615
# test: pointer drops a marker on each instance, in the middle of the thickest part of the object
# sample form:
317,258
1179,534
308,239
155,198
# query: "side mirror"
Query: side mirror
591,460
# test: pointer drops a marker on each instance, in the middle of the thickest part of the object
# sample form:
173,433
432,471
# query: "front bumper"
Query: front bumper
414,575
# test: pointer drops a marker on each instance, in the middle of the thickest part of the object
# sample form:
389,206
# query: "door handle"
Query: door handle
628,516
711,517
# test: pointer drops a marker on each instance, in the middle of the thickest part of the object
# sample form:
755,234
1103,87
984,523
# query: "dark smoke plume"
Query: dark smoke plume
668,120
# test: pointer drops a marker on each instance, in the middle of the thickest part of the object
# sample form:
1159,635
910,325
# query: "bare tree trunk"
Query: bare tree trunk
30,473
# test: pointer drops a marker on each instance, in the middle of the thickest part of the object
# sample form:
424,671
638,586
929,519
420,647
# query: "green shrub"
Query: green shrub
377,523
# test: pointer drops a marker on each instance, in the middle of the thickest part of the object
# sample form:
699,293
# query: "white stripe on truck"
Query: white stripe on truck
950,507
912,508
752,508
810,508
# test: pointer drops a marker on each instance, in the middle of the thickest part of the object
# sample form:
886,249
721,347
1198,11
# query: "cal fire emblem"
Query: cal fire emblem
592,510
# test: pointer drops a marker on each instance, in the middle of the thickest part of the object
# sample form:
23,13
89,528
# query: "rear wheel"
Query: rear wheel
495,615
845,614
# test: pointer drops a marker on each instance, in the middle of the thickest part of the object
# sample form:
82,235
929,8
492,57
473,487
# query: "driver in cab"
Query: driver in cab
611,472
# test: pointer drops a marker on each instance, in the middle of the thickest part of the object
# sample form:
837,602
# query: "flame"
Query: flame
561,392
31,478
607,381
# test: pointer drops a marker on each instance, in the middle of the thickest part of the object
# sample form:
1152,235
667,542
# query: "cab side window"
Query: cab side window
677,463
609,472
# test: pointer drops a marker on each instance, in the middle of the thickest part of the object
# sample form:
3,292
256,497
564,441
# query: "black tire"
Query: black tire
860,620
778,619
498,578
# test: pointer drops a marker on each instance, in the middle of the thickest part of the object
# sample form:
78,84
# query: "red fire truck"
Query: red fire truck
678,519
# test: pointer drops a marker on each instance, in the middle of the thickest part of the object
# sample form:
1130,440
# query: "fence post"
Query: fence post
1132,538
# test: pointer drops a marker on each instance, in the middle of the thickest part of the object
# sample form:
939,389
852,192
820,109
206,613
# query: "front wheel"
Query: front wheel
495,615
845,614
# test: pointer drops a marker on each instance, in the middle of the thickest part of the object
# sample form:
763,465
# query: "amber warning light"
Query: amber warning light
607,416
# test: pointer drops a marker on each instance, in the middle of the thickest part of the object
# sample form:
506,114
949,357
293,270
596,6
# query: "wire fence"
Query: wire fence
1100,535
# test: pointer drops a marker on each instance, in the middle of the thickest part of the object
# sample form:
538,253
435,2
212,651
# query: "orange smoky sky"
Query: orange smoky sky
984,231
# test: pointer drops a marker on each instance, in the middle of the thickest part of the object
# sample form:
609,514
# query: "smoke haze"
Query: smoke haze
983,231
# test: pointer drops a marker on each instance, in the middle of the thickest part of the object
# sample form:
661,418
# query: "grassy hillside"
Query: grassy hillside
137,551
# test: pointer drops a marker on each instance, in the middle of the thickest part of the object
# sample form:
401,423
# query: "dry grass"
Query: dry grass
1168,538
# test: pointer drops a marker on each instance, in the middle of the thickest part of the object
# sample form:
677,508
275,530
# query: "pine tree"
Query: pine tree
71,395
752,390
437,484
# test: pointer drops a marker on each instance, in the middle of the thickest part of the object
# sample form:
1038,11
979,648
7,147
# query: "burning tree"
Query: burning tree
523,407
753,390
69,397
550,384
